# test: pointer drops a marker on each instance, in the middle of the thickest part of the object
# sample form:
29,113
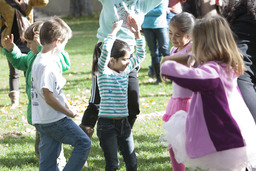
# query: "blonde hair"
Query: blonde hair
54,29
213,41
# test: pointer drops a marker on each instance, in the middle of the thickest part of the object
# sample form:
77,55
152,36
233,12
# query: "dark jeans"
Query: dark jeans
246,84
116,134
158,43
90,116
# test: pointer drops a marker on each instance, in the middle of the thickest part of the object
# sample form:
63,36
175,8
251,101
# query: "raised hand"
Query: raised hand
133,24
191,61
36,38
116,26
8,41
134,27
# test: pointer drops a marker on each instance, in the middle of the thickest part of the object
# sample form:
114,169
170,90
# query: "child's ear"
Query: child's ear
112,59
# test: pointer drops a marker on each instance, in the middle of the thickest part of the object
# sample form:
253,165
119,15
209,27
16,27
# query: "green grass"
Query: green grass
17,136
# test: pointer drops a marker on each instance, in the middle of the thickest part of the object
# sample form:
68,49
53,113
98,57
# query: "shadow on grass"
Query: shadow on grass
4,89
7,89
17,152
17,155
96,159
77,83
77,73
16,138
157,95
18,160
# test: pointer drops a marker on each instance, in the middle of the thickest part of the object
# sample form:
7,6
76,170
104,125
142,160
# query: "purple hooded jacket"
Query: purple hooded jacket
210,125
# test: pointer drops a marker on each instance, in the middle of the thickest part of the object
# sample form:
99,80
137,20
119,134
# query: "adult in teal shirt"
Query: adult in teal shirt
155,30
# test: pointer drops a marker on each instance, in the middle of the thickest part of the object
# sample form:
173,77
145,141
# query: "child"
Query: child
218,131
50,112
180,30
24,62
111,12
112,68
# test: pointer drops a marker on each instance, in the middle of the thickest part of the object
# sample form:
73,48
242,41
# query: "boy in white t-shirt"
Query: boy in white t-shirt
50,111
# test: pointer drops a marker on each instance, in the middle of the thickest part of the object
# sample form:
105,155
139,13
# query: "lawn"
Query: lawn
17,136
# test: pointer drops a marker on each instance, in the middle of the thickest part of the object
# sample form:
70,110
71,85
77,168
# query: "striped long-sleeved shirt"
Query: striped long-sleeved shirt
113,86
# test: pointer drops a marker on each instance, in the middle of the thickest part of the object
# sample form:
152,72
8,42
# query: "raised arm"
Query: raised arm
8,40
202,78
140,44
134,27
107,46
180,58
146,5
14,55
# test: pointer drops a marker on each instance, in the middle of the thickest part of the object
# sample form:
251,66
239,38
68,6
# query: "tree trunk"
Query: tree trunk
80,8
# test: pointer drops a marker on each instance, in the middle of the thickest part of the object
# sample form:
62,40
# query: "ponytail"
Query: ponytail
96,55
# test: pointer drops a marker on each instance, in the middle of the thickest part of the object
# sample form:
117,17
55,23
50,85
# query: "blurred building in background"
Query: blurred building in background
69,8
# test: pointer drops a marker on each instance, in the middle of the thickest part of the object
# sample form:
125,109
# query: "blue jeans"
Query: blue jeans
65,131
158,43
116,134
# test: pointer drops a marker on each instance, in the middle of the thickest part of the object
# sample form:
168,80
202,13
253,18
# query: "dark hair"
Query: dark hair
234,7
119,49
96,55
184,22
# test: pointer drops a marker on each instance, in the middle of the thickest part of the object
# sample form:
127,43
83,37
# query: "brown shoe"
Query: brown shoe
88,130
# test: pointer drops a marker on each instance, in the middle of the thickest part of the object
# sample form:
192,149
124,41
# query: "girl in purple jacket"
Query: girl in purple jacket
218,131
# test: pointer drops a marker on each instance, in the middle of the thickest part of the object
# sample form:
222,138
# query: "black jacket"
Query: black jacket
244,27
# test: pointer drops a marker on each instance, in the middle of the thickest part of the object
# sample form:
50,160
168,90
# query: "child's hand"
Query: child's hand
8,41
71,111
134,27
164,78
36,38
71,114
191,61
116,26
